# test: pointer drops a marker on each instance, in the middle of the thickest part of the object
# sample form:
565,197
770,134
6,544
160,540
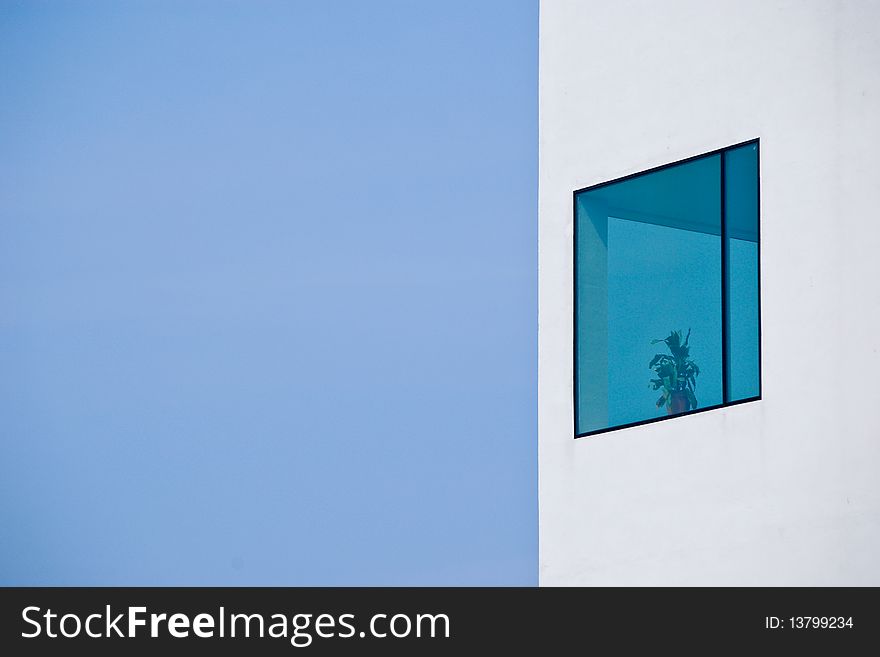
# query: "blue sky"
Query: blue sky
268,293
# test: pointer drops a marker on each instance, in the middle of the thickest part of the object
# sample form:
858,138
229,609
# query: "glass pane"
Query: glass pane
648,263
743,326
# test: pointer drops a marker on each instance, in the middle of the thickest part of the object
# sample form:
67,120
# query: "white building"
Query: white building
781,491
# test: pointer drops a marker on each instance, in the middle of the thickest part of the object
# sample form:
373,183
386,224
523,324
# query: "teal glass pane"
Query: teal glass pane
648,262
741,219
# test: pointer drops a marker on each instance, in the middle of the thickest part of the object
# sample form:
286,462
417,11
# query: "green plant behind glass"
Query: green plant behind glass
675,372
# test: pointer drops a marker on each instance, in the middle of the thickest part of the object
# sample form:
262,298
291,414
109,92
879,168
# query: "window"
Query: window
667,291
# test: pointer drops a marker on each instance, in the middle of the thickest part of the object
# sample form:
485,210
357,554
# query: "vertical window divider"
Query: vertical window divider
725,311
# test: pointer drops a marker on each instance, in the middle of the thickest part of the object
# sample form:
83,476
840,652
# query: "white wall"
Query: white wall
781,491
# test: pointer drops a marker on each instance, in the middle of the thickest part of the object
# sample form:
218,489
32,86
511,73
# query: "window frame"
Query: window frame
724,290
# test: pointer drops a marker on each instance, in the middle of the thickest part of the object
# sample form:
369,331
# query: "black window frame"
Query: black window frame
724,291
